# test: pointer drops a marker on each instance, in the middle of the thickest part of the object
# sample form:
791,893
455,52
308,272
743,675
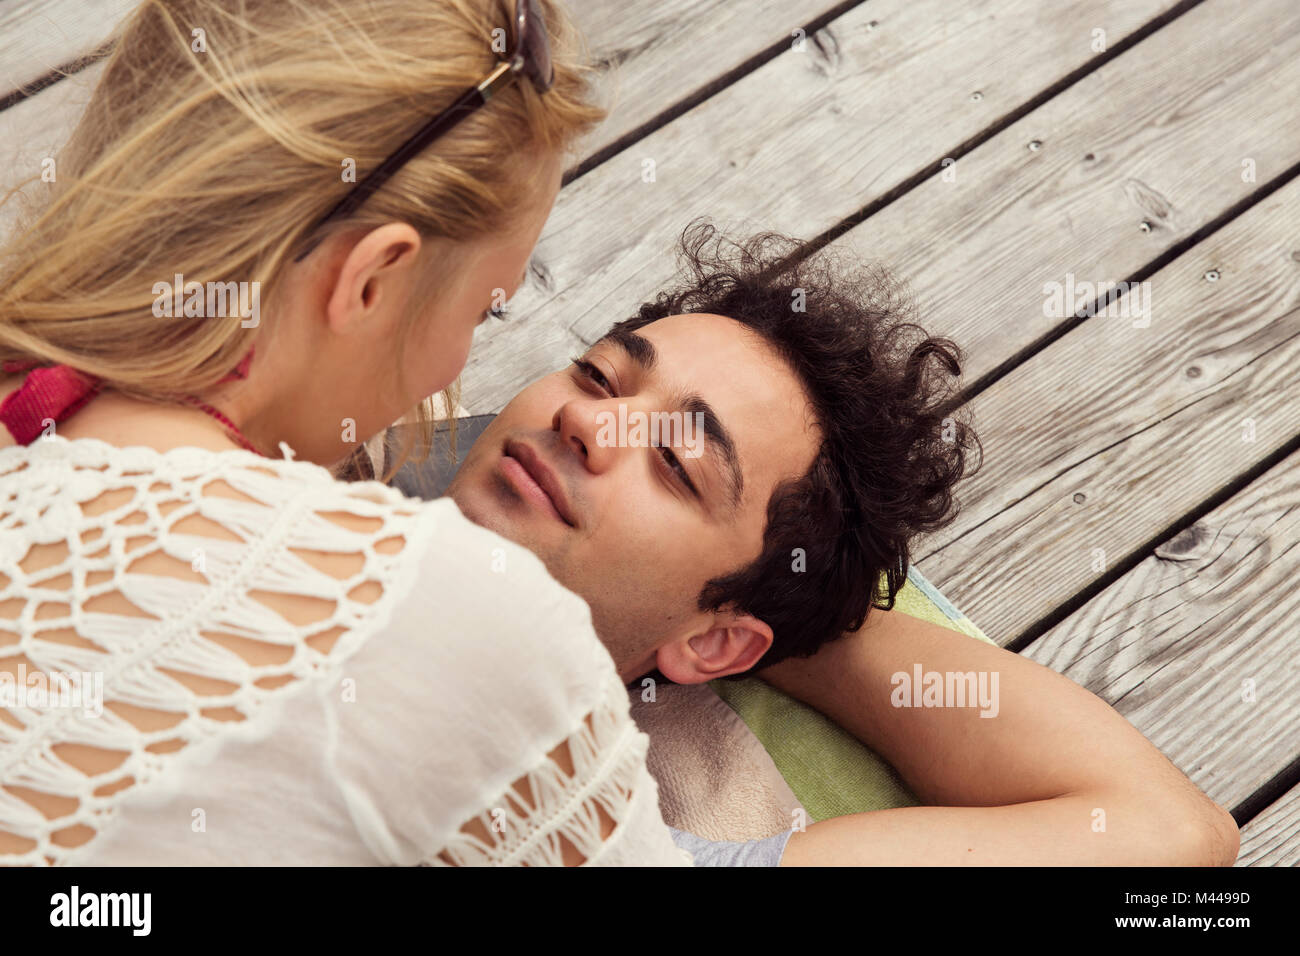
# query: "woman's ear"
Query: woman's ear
376,271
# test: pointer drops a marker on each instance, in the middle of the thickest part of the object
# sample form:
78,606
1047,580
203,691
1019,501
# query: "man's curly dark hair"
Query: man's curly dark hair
891,451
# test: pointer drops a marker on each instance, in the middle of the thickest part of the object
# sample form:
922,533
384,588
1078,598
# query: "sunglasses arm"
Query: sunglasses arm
466,103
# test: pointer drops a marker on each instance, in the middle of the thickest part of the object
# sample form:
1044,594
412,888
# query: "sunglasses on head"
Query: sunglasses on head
530,57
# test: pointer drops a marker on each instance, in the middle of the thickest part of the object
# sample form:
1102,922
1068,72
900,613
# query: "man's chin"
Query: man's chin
475,511
483,511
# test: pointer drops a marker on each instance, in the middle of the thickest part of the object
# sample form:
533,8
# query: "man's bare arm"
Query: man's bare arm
1021,787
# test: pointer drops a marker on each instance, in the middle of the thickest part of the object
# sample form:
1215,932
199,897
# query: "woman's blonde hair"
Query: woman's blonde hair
218,136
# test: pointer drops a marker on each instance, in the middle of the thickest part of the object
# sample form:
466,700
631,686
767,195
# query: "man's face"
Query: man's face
635,529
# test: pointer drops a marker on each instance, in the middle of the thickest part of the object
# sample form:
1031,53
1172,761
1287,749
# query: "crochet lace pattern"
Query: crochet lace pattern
607,752
146,567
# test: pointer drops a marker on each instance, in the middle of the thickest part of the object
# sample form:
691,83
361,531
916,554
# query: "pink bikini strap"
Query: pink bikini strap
54,393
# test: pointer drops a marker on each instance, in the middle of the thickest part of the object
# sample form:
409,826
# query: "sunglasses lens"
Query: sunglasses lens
535,45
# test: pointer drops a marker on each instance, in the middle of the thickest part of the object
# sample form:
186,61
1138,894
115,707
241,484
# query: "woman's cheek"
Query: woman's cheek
449,359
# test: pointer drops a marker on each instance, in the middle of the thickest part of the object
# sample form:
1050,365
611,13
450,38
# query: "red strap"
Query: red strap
48,393
241,370
55,393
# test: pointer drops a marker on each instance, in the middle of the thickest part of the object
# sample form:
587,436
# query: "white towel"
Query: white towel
715,779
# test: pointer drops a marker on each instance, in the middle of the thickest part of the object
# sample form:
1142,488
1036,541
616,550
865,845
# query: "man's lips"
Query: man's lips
535,480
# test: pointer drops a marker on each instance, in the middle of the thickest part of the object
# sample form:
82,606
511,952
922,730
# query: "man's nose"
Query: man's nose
596,429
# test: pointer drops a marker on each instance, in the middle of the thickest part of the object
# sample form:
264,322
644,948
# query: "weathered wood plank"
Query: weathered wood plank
800,144
36,128
38,37
1273,837
1105,437
1197,645
656,53
1131,161
39,125
650,54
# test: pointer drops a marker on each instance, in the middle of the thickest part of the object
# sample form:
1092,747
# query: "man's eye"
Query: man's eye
671,462
593,373
679,469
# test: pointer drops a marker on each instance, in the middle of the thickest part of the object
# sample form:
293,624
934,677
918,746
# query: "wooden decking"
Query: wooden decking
1136,523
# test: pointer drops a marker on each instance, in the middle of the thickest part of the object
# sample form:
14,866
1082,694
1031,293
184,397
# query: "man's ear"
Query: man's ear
732,645
375,267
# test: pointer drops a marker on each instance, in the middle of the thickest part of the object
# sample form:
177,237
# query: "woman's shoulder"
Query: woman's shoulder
252,518
58,467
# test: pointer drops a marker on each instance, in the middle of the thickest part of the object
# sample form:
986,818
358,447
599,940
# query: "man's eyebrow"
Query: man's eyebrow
642,351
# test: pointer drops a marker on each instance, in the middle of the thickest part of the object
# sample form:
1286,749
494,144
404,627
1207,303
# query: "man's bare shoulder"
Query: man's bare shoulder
889,635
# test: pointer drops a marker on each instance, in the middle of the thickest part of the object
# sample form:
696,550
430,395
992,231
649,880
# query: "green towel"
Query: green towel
831,771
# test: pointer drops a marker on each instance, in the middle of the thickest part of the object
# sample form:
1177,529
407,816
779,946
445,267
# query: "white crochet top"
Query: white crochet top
402,700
